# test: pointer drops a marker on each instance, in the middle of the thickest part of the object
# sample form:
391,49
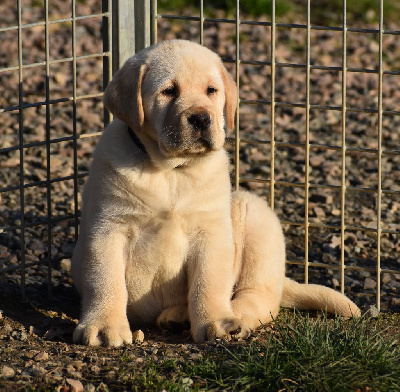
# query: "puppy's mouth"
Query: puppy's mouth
193,134
202,142
200,146
180,145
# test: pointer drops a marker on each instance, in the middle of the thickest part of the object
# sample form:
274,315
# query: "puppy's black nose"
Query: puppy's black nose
200,121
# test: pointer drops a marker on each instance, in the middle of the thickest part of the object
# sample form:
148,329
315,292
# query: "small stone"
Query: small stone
7,327
95,369
7,371
38,369
335,283
386,278
316,160
321,198
365,274
37,247
65,265
20,335
138,336
335,241
369,283
73,372
77,364
187,382
76,385
371,311
43,356
319,212
395,302
257,156
61,78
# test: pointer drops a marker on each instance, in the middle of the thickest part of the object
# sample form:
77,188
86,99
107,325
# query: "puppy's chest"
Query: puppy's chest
162,245
173,197
172,211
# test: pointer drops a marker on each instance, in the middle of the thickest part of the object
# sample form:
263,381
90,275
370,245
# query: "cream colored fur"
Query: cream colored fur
163,239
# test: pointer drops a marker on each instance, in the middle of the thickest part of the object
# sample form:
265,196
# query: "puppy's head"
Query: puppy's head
176,95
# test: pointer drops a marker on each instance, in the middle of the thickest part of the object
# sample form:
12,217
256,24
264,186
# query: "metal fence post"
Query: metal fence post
142,24
123,32
133,29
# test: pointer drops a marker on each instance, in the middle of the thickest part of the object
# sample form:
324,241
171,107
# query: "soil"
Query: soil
37,352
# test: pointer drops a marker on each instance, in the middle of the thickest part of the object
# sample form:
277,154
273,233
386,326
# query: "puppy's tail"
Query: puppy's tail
316,297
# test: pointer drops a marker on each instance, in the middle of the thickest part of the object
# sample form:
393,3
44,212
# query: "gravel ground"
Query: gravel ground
28,331
38,354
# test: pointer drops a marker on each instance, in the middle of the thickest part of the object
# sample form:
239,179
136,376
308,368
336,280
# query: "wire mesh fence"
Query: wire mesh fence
317,133
46,52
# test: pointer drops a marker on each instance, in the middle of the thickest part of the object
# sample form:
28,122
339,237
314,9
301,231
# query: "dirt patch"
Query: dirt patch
37,352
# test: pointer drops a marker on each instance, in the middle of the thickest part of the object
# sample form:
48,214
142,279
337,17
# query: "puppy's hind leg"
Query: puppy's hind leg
175,319
259,260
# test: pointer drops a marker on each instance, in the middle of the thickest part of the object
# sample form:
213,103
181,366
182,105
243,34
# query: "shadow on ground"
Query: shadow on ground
55,317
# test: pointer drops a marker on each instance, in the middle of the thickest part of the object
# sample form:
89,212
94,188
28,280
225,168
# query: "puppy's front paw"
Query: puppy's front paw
227,328
102,331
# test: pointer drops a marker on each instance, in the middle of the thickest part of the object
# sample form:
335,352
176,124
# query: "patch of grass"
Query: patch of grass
311,355
326,12
366,11
250,7
300,353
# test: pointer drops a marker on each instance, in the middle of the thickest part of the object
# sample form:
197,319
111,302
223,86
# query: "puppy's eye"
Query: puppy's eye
211,90
170,91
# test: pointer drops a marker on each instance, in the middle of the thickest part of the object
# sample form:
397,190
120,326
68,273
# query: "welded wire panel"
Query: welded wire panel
45,138
351,256
341,227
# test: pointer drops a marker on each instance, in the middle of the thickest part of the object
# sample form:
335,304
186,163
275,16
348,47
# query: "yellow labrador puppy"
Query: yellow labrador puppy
163,239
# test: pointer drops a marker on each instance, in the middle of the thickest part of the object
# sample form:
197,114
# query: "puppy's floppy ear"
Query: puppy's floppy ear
123,95
231,96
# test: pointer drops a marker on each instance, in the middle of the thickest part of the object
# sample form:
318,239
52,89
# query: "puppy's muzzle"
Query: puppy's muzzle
193,133
200,123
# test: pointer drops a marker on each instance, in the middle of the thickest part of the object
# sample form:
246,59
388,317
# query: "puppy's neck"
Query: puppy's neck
136,140
162,163
157,160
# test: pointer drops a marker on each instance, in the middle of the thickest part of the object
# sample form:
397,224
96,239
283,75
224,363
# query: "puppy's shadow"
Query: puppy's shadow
51,317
